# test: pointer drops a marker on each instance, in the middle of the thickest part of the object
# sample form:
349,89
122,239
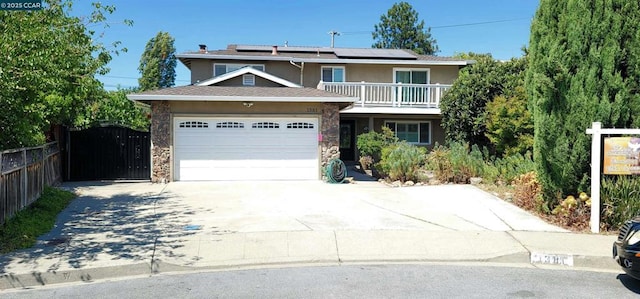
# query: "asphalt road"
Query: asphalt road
358,281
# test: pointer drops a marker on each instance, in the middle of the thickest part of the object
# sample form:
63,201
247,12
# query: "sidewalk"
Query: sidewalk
202,252
123,230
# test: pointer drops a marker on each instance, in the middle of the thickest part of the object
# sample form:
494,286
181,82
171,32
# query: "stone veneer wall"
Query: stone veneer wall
330,131
160,143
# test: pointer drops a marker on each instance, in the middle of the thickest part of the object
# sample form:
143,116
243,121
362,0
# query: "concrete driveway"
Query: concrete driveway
317,206
115,229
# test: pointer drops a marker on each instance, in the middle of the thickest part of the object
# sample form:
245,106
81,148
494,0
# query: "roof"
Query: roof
240,93
321,55
248,70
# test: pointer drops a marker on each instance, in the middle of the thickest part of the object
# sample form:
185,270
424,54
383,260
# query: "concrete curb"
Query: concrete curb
89,275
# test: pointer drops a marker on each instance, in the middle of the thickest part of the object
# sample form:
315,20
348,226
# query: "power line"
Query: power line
446,26
479,23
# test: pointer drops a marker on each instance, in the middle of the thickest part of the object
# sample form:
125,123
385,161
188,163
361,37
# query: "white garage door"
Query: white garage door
212,149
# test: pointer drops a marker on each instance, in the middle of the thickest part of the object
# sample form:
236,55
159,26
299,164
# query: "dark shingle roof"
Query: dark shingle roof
239,92
318,53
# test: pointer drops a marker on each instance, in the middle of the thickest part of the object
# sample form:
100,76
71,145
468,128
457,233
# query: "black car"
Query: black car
626,250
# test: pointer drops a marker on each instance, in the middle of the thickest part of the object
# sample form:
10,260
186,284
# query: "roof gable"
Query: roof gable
247,70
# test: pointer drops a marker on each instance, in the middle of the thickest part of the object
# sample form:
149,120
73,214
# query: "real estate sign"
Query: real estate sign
621,155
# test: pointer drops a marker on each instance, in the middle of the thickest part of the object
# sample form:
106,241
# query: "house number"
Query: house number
313,110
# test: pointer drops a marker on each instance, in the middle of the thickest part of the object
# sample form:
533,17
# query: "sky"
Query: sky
499,27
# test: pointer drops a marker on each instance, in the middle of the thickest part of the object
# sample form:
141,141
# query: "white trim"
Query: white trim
247,70
155,97
391,110
418,122
396,69
332,67
323,61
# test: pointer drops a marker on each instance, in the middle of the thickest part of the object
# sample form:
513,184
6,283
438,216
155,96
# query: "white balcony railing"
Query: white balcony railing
389,94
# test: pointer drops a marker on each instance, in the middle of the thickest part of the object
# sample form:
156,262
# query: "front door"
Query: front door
347,140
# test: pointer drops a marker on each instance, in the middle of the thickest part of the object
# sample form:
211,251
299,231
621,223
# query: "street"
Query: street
357,281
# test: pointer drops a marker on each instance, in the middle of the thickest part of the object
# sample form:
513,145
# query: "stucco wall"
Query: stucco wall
178,107
259,81
203,69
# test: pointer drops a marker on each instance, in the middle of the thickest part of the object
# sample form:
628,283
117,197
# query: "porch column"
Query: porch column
371,124
160,142
330,132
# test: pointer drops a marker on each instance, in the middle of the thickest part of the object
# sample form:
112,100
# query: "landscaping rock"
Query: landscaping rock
409,183
475,181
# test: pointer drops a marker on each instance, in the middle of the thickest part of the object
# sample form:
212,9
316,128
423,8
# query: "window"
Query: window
193,124
299,126
411,76
221,69
230,124
333,74
410,131
265,125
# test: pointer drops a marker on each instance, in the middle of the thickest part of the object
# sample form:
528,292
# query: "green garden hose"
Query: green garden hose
336,171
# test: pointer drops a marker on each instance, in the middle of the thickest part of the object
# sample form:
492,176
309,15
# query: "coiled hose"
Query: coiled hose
335,171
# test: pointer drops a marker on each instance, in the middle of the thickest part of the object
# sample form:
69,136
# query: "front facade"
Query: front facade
266,112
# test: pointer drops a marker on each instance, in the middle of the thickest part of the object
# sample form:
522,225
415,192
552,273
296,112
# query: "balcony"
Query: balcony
389,94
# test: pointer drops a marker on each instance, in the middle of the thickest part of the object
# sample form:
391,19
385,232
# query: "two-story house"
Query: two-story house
280,112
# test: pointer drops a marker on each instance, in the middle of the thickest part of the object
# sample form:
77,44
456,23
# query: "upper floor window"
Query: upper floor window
411,76
223,68
333,74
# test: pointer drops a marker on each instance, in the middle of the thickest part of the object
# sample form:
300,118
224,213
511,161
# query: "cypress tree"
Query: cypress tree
583,67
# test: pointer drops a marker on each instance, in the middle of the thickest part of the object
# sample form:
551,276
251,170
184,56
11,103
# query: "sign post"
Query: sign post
594,222
619,159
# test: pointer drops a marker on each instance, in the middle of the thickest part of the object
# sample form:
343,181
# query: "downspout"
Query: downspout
301,67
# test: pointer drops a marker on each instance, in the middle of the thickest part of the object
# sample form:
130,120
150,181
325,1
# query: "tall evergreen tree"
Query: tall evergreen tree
158,63
400,29
584,66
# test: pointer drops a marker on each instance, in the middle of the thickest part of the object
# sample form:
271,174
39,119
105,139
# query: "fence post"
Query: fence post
25,177
43,172
595,176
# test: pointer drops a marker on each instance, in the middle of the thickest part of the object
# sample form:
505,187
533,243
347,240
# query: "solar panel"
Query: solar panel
340,52
285,49
373,53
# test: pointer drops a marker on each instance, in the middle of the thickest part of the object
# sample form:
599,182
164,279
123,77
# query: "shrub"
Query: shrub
506,169
619,197
371,143
457,163
510,124
401,161
527,193
438,161
574,212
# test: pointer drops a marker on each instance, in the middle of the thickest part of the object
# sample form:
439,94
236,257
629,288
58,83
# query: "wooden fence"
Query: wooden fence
23,175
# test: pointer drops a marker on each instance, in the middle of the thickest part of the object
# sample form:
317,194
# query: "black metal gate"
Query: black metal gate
108,153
